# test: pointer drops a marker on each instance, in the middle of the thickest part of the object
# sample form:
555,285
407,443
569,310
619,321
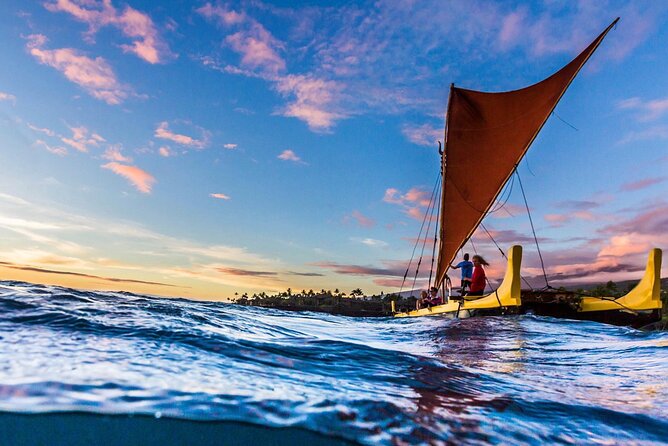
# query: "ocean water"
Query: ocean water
81,367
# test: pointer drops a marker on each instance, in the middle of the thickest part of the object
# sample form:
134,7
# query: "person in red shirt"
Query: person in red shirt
478,280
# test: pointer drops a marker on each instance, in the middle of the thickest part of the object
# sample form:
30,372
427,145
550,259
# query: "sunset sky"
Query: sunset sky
199,149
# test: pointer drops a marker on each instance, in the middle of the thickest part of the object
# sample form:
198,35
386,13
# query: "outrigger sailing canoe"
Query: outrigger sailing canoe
499,128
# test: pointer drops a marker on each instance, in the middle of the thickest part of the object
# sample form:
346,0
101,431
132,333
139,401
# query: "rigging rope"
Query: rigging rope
436,226
410,262
428,215
526,204
503,253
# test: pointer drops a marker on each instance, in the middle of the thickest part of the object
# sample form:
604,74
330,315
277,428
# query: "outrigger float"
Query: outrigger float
499,129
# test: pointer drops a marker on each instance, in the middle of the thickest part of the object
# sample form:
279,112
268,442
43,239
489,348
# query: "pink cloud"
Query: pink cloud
362,220
60,151
647,110
415,202
163,132
114,154
165,151
139,178
641,184
424,135
230,146
220,196
512,28
258,49
80,139
223,15
289,155
146,43
7,97
95,76
315,100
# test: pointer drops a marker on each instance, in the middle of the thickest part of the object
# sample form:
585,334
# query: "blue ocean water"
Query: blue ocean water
213,373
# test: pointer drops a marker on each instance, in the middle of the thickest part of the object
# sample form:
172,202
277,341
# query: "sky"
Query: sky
202,149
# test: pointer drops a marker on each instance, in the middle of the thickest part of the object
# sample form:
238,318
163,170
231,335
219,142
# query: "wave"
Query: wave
518,379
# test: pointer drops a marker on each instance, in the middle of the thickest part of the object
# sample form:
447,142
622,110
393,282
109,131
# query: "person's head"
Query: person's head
478,260
466,256
433,290
423,294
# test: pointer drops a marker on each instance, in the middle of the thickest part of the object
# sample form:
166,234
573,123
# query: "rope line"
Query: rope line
526,204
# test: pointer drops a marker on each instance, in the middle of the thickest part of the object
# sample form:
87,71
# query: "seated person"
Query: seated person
423,301
434,298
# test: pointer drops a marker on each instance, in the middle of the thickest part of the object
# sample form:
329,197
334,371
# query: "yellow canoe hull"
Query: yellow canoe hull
644,296
507,295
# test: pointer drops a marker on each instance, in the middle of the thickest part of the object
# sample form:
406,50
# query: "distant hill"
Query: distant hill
621,285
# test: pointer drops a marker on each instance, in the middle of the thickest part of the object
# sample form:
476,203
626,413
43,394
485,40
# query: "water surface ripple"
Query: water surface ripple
494,380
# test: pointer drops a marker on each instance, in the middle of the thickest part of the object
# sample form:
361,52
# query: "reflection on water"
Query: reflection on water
515,379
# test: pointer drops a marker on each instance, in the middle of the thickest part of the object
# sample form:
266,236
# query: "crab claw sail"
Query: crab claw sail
486,136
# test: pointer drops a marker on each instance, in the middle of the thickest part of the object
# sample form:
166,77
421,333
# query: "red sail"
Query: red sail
486,136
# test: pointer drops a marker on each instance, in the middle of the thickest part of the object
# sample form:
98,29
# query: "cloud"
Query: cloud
641,184
146,42
80,139
424,135
165,151
141,180
357,270
652,133
46,131
289,155
245,272
7,97
362,220
294,273
95,76
114,154
647,110
372,242
230,146
414,203
89,276
219,196
163,132
57,150
315,100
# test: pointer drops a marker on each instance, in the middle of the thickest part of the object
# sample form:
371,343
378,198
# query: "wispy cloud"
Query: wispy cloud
140,179
80,139
146,41
95,76
7,97
641,184
230,146
220,196
114,154
315,100
165,152
424,135
89,276
361,219
246,272
163,132
56,150
648,134
374,243
414,203
289,155
647,110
